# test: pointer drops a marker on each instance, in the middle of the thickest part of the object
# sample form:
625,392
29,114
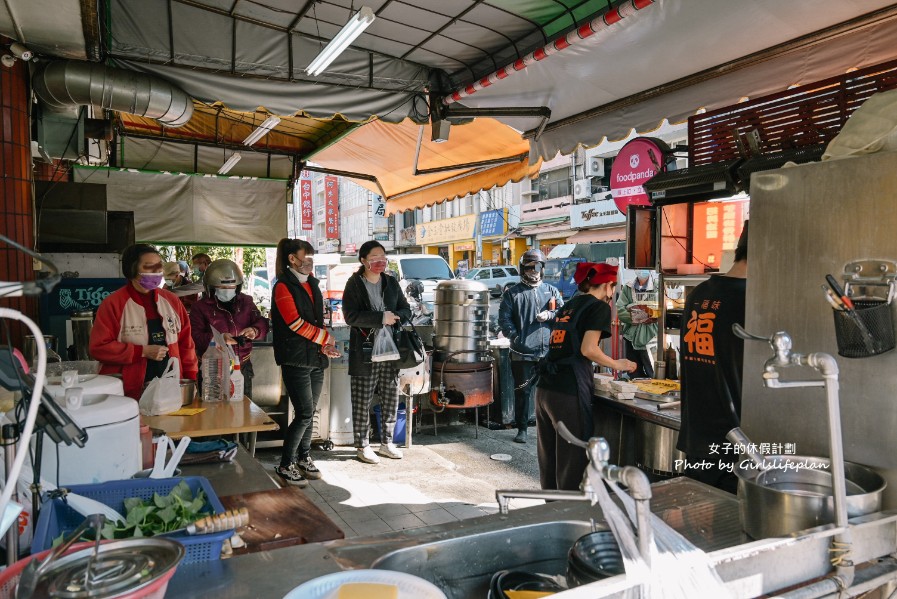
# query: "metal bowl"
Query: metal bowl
783,500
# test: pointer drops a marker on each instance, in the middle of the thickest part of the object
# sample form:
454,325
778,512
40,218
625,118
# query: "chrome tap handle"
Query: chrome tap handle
739,331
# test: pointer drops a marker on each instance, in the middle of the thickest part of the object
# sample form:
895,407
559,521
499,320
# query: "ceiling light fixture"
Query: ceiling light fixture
356,25
229,164
262,130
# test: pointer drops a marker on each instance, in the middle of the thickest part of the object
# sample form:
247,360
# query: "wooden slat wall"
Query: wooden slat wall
804,116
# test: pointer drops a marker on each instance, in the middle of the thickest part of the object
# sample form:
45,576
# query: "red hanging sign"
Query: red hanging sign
638,161
305,204
331,203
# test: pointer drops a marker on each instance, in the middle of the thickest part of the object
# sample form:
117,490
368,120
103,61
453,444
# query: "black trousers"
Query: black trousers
640,357
523,371
561,465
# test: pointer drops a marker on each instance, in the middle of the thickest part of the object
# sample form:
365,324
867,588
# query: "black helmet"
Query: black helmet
534,275
415,289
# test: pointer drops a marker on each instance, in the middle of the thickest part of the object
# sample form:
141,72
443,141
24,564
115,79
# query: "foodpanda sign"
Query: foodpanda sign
637,162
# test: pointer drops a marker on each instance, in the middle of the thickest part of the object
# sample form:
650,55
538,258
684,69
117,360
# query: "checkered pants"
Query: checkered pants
384,380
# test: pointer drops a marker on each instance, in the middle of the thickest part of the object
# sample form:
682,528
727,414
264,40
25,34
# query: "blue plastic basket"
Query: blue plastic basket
56,517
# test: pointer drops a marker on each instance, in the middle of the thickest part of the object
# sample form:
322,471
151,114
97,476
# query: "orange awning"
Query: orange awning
386,151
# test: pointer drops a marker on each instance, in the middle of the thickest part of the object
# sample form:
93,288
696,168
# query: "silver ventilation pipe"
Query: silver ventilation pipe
65,83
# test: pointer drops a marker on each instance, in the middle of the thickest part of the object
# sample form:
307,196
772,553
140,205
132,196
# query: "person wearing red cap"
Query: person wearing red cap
564,391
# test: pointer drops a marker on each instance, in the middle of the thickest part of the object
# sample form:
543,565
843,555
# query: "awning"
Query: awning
598,235
387,151
546,231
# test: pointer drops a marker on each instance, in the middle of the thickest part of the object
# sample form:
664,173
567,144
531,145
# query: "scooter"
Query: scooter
421,311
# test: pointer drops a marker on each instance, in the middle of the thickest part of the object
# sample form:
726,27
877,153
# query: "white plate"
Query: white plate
327,587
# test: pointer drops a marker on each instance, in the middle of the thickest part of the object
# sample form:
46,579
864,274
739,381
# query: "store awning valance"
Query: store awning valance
387,151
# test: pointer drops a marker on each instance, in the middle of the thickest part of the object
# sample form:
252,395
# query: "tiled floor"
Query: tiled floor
441,479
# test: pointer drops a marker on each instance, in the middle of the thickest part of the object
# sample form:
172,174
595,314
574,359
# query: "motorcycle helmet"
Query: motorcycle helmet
222,272
531,265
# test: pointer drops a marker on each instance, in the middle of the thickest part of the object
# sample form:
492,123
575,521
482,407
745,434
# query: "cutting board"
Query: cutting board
281,518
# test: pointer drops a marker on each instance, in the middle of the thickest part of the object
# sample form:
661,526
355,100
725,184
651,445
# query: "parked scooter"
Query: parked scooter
421,311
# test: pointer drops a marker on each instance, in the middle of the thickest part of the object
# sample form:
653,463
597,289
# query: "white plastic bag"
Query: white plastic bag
163,394
385,349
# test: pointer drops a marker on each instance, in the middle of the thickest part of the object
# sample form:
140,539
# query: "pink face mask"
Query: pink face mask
377,265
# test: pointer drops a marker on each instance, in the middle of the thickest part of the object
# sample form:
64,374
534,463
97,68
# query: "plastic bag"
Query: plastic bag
385,349
163,394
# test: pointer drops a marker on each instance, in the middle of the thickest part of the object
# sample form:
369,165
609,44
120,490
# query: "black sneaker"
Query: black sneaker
521,436
307,467
292,475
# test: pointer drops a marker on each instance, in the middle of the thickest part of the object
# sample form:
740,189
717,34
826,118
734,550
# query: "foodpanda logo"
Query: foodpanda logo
633,161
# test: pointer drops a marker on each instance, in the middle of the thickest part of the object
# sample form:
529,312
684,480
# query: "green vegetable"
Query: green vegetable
161,513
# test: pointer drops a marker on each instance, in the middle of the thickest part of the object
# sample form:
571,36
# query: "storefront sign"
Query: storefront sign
447,230
331,203
464,247
78,295
492,223
351,248
305,204
595,214
378,215
638,161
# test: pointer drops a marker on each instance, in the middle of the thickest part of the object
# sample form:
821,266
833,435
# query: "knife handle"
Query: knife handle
219,522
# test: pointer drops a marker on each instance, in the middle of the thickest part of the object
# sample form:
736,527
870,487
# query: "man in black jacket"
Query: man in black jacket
525,316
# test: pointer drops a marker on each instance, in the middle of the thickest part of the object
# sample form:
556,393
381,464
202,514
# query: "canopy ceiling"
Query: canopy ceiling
646,61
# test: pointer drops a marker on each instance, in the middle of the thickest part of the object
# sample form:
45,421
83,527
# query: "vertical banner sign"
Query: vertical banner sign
305,204
331,201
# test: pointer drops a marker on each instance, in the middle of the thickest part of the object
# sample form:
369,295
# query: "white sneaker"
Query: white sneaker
389,450
367,455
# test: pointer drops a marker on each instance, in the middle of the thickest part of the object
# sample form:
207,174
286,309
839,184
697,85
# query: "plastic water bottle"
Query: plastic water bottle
211,374
236,383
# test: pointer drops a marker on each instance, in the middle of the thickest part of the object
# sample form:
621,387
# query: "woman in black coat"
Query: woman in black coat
371,300
301,348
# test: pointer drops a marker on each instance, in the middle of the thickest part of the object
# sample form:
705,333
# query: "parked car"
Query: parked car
497,278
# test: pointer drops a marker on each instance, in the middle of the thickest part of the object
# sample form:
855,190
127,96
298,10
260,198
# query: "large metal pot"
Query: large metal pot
461,321
796,494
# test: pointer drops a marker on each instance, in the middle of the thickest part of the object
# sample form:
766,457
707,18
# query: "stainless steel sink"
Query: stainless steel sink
462,567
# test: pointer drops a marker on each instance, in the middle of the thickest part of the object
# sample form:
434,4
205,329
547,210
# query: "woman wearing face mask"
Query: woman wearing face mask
564,390
638,327
371,300
231,312
139,326
301,348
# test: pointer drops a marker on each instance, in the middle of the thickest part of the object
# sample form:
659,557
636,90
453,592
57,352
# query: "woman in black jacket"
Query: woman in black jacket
372,299
301,348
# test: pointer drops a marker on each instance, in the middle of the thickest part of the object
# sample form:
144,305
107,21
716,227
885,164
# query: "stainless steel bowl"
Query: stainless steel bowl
784,499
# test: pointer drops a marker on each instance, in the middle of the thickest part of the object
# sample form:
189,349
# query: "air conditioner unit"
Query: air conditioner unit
594,166
582,189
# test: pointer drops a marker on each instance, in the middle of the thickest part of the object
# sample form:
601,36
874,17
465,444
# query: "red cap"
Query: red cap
595,272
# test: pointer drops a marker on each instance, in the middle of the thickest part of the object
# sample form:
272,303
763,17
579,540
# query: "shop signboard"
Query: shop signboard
600,213
331,205
78,295
351,248
638,161
305,204
407,236
446,230
492,223
379,222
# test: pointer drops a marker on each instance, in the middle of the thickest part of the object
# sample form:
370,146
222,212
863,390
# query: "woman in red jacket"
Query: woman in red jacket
139,326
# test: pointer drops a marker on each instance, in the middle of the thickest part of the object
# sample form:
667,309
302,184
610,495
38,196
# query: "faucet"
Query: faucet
825,364
596,472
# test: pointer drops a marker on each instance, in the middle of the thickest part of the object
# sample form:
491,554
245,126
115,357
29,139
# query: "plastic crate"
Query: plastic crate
56,517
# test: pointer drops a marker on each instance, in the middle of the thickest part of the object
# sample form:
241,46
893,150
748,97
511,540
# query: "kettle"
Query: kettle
671,357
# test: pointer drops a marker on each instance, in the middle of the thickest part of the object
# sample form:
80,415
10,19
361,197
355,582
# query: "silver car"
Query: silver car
497,278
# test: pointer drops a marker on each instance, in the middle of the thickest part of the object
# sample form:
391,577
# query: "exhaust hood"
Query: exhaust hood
768,162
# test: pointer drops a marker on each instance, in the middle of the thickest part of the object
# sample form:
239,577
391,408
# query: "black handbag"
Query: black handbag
410,346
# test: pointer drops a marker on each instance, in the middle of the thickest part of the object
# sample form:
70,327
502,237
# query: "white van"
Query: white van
429,269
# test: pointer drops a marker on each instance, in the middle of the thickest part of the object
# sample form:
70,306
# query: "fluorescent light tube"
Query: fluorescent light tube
262,130
229,163
356,25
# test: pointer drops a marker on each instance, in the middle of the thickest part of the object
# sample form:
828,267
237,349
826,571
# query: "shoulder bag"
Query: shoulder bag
410,346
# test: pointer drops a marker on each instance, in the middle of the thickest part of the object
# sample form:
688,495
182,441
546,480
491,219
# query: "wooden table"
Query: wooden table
217,419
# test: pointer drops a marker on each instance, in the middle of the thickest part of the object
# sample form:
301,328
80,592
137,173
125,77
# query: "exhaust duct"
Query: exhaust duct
66,83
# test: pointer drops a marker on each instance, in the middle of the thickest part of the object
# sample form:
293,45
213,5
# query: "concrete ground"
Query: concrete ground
446,477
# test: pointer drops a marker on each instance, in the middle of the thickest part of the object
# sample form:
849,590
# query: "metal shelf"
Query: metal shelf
685,280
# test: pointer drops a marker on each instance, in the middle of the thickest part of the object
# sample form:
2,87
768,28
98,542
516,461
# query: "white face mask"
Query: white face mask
225,295
302,277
